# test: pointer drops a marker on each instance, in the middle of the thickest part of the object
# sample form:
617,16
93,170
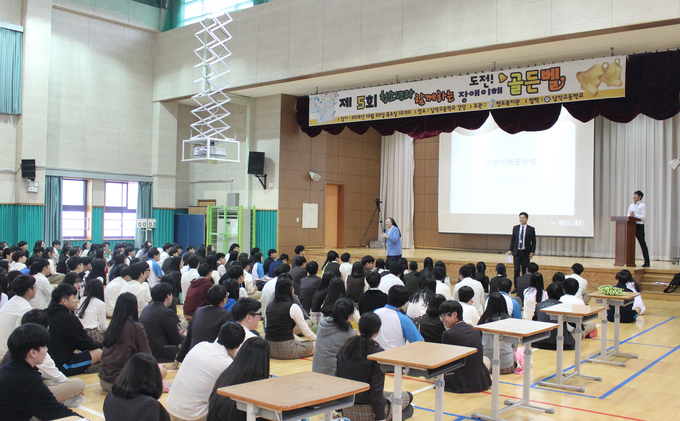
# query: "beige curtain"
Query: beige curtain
397,166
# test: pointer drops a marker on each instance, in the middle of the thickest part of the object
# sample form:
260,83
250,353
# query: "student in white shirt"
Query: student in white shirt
465,279
531,295
39,270
576,271
92,310
466,299
391,279
138,285
18,261
190,275
190,391
420,300
439,274
12,312
114,287
345,266
570,289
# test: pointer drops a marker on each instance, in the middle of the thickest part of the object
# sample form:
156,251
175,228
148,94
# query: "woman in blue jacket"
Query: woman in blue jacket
392,237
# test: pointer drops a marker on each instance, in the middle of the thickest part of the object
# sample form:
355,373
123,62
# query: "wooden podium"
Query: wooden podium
625,240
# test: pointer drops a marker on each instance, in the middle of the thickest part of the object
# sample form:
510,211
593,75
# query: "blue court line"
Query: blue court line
653,363
459,417
637,343
534,385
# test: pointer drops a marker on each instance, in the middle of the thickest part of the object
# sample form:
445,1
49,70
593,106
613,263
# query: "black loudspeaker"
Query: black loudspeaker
28,168
256,163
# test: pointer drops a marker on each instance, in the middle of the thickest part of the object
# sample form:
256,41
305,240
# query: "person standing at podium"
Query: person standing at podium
522,246
639,210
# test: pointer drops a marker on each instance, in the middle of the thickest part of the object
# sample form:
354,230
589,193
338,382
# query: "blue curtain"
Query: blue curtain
52,209
10,71
265,229
144,210
165,225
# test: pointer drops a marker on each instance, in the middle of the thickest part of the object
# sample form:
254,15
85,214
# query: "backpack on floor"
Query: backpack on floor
674,284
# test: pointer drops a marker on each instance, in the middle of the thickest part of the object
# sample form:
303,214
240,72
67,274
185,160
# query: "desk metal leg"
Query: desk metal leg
525,402
328,416
577,362
251,413
602,359
617,324
439,398
396,399
495,381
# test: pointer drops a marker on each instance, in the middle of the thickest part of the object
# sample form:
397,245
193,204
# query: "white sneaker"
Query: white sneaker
75,401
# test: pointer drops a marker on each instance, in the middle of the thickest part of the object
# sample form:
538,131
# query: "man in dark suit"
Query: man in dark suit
522,245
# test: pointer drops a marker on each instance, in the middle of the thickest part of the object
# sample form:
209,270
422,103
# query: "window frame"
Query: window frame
120,210
86,208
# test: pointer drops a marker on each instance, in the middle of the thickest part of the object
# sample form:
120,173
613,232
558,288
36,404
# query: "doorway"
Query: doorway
335,216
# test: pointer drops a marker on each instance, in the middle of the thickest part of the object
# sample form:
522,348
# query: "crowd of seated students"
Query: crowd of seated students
139,293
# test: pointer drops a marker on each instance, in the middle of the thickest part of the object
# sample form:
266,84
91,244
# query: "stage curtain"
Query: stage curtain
652,89
396,183
628,157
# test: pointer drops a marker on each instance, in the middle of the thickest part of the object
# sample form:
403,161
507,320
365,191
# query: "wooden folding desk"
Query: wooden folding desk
423,359
576,314
521,332
617,302
295,396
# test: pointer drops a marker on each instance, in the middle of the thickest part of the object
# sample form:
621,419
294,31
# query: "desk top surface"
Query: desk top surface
425,355
293,391
572,310
628,296
516,327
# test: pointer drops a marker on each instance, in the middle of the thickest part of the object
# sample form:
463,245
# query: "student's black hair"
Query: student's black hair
204,270
119,258
336,290
251,364
299,249
233,246
501,269
570,286
577,268
427,290
255,250
438,273
235,271
435,302
558,277
496,309
536,282
241,261
380,264
216,294
56,243
505,285
299,260
232,287
21,244
396,269
4,284
367,259
126,308
465,271
244,307
166,246
359,347
160,291
397,296
342,310
331,256
465,294
7,253
98,270
62,291
72,279
624,276
36,316
18,255
231,335
481,270
123,271
73,262
451,306
153,251
220,256
345,257
193,261
555,291
326,279
312,268
373,279
211,261
93,289
283,257
357,270
284,291
137,270
25,338
413,267
175,263
38,265
281,269
140,376
270,252
255,258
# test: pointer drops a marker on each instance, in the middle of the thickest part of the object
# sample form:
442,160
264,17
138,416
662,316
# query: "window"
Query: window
74,209
196,10
120,210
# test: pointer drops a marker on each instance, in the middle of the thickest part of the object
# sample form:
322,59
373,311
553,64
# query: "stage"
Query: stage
598,272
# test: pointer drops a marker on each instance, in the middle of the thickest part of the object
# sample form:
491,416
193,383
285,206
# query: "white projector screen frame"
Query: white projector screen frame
487,177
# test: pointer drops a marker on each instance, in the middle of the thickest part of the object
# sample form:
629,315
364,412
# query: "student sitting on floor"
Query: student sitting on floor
532,296
628,315
160,324
353,364
283,316
571,286
334,331
190,392
250,365
420,300
466,299
373,298
134,395
397,328
496,309
555,292
431,326
473,377
23,394
68,335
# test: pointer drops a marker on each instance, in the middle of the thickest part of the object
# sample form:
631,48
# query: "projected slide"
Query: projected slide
487,177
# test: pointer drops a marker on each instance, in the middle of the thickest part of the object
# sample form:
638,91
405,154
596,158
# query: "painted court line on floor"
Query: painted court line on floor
423,389
91,411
